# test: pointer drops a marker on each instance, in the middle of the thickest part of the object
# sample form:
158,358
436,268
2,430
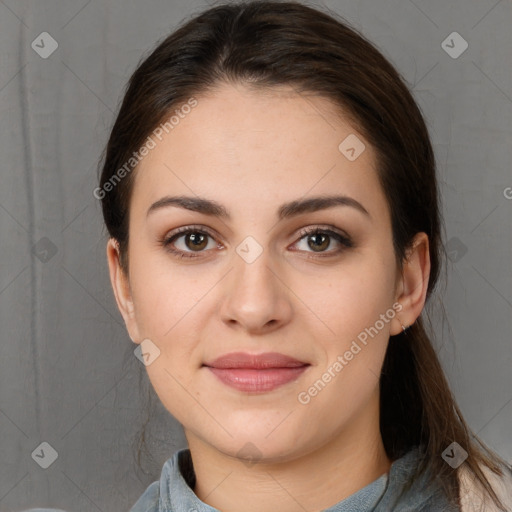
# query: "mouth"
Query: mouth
256,373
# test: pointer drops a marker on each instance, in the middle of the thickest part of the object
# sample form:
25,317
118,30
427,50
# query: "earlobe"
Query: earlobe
121,288
414,283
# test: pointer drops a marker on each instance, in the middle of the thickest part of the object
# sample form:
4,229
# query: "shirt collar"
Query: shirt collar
178,480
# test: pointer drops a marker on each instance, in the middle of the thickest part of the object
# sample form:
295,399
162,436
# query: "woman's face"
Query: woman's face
253,281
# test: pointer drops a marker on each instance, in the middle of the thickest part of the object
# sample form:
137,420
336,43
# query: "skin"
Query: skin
252,151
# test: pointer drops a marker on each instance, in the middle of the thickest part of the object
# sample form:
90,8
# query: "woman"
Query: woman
270,192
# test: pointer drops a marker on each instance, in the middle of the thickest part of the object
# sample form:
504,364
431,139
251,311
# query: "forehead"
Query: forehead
242,144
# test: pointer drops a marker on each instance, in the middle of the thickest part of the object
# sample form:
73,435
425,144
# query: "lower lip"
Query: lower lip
252,380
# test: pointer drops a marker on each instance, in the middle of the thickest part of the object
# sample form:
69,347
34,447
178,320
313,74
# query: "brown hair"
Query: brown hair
264,44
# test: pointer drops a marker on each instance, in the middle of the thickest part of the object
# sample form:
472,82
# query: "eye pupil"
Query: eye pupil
318,244
197,239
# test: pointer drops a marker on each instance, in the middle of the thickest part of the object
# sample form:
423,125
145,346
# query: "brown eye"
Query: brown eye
196,240
318,241
184,242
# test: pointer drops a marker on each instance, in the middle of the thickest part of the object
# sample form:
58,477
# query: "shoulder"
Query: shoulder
149,501
472,495
411,491
173,490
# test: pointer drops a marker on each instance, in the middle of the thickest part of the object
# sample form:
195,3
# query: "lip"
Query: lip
255,361
256,372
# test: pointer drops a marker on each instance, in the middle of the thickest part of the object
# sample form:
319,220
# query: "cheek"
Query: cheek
355,297
357,300
348,376
167,308
164,295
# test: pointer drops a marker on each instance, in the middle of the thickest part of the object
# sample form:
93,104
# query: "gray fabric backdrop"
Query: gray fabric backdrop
68,375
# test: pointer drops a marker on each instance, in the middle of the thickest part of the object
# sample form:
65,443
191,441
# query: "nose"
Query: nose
256,298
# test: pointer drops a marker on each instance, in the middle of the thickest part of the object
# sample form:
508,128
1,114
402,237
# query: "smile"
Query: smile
256,373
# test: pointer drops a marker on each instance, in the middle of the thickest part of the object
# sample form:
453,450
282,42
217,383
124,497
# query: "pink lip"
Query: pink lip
256,373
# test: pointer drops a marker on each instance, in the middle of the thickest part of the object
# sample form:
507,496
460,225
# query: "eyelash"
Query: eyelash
344,240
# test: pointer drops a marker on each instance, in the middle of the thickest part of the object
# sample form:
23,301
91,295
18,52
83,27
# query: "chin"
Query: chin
255,444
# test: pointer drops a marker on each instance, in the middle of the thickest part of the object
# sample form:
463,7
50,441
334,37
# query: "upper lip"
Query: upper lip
256,361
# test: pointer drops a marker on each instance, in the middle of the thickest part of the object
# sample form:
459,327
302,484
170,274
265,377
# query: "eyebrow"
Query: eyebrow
285,211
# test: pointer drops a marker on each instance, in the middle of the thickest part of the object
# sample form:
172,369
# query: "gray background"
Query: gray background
68,375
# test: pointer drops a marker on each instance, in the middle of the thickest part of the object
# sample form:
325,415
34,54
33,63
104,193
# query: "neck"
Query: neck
315,481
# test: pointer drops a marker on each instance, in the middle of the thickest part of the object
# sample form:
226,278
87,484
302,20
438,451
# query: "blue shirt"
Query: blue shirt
173,492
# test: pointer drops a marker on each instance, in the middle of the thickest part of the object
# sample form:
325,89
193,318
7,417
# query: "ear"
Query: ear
413,283
121,287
